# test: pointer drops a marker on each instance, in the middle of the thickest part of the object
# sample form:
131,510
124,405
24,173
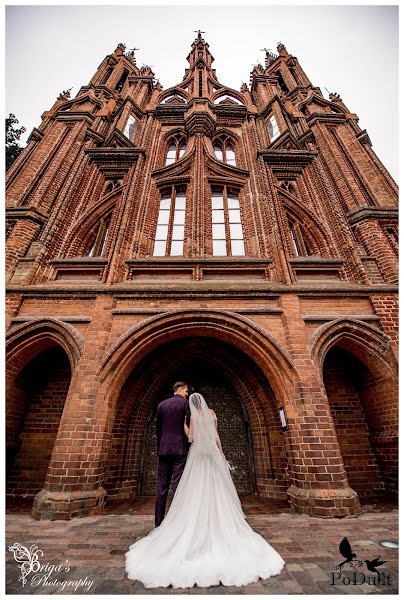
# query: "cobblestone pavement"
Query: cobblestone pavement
95,546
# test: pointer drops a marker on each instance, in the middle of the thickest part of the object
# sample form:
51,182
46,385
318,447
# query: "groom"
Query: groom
172,444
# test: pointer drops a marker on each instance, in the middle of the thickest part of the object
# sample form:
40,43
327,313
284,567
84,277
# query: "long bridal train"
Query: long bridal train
204,538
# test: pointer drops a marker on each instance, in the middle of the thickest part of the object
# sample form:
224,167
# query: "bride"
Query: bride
204,538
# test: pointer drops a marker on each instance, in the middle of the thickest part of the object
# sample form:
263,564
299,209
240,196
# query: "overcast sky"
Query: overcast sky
351,50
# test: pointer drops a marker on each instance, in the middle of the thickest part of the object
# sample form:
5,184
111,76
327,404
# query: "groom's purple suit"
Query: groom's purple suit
172,447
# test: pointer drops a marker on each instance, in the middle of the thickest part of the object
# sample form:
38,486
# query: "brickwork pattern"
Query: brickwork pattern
40,394
95,546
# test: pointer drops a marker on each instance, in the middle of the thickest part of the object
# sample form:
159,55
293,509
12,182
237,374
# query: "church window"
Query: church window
106,75
227,231
224,151
171,154
169,239
273,128
175,150
295,75
99,238
230,156
281,83
298,241
130,127
218,151
200,83
122,80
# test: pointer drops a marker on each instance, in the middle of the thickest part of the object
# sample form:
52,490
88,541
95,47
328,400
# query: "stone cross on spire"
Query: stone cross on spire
131,54
199,32
270,56
200,51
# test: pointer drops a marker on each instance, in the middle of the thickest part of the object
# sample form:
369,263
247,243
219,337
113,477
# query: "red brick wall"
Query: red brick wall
37,405
386,307
374,240
356,419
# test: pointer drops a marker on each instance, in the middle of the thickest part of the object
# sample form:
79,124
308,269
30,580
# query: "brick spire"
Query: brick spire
200,60
200,54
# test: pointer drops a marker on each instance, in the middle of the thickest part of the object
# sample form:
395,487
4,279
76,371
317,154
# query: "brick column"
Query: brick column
386,308
13,305
73,483
319,485
374,240
23,234
386,441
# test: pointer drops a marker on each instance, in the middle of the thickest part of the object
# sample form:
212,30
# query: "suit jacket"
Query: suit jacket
171,438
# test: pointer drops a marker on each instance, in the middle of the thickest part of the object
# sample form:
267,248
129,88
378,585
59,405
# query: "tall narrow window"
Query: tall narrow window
97,245
106,75
227,231
224,151
294,238
218,151
218,224
130,127
171,154
175,150
281,83
295,75
169,240
200,83
298,240
122,80
230,157
273,128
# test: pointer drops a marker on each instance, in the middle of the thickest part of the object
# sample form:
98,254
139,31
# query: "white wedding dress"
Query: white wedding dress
204,538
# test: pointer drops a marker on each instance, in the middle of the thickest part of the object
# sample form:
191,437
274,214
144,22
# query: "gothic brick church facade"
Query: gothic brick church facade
243,241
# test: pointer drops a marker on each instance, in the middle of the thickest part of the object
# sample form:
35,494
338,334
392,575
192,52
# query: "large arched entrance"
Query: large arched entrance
359,375
34,409
233,386
234,425
357,413
41,357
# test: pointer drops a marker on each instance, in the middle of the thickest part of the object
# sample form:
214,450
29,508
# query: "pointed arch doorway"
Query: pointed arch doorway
233,385
35,404
234,426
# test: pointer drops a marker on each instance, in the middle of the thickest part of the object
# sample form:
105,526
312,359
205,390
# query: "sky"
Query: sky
350,50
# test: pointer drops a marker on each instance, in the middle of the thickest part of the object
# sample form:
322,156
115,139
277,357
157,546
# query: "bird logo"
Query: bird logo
350,558
346,551
373,564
